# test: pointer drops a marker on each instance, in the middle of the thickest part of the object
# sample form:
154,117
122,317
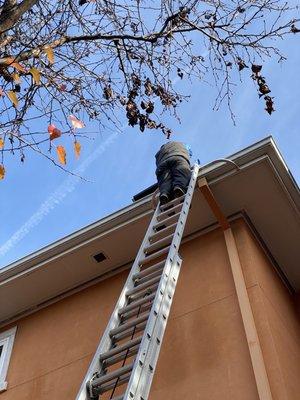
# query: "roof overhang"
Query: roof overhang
263,188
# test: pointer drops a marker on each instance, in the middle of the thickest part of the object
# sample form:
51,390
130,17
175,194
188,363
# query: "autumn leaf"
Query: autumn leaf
62,87
11,63
2,171
13,98
2,93
1,143
51,127
36,75
50,54
61,153
77,148
76,123
54,132
16,78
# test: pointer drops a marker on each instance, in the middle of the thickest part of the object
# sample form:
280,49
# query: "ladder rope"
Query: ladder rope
125,358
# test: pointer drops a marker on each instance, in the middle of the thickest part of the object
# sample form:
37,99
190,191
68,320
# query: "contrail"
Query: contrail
55,198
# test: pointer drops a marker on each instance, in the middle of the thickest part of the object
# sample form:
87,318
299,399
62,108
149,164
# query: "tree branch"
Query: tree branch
11,13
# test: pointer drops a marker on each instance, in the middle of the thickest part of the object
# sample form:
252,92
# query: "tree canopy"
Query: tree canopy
64,63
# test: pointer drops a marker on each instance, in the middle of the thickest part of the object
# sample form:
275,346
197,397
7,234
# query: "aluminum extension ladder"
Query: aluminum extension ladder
126,357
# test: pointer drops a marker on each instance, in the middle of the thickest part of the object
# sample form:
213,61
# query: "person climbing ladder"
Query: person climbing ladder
173,170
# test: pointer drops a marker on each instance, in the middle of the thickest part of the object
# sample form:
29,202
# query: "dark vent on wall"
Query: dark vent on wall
99,257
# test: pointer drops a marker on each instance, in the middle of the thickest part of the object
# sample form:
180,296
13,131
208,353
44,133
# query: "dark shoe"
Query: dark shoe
178,192
163,199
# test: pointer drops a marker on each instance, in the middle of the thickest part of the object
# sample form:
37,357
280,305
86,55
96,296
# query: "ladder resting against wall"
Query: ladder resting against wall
125,360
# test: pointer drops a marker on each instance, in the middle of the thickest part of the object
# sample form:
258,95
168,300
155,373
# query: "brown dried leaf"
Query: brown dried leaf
2,171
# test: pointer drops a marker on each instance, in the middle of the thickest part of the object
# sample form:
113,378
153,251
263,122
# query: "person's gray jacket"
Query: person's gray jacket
171,149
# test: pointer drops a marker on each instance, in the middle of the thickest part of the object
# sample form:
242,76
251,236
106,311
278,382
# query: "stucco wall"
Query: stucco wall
204,354
275,315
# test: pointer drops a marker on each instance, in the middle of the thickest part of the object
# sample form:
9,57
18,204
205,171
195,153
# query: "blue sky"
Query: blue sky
41,204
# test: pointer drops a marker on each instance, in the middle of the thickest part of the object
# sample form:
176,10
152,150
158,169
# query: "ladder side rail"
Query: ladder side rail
114,319
156,306
144,385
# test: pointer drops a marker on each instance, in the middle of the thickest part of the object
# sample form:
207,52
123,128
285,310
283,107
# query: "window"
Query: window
6,345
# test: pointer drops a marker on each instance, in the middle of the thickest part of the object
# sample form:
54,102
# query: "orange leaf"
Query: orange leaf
2,171
77,148
2,93
11,63
61,153
76,122
50,54
36,75
13,98
1,143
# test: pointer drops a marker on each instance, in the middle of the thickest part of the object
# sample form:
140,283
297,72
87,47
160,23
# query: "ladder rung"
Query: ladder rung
146,271
163,214
129,332
136,304
172,202
134,313
166,221
117,382
160,243
119,349
145,285
160,234
120,357
153,256
112,375
146,278
129,324
142,293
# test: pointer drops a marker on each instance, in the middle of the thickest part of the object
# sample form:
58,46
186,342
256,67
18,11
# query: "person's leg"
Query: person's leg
181,175
164,180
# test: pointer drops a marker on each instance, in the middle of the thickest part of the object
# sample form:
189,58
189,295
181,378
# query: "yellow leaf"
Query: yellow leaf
36,75
61,153
13,98
16,78
1,143
77,148
50,54
2,171
10,61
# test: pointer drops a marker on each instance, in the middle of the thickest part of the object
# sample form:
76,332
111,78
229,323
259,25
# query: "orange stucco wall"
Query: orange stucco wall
204,354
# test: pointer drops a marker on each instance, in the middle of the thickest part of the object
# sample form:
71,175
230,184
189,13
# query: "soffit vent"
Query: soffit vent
99,257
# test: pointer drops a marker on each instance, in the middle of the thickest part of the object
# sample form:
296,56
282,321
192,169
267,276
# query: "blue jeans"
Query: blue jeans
171,173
